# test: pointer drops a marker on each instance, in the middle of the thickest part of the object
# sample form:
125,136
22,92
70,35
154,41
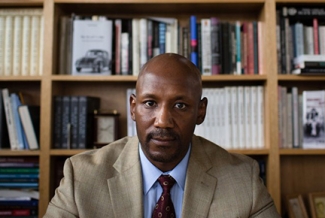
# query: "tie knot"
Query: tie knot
166,182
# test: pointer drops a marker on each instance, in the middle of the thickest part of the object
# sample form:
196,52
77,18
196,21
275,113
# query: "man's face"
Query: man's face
166,109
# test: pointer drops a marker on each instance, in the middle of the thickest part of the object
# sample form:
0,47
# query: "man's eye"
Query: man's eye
150,103
180,105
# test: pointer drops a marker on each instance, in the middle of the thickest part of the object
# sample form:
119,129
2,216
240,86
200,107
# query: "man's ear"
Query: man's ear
132,106
202,110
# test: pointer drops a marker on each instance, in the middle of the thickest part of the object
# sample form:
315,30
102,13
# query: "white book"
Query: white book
28,126
25,45
135,46
8,45
17,40
254,117
34,46
125,53
2,44
284,116
241,114
206,46
234,118
168,38
143,41
247,116
313,119
92,47
260,117
41,46
118,33
228,118
174,36
10,120
289,121
321,30
295,117
309,40
280,126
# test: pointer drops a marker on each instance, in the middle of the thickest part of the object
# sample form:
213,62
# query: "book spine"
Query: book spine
4,136
16,63
260,50
322,39
65,134
162,38
74,114
135,46
57,122
10,121
155,39
25,48
315,31
185,42
15,103
256,45
8,45
34,45
143,41
194,44
2,44
125,53
206,46
260,117
150,38
238,48
41,46
254,114
228,118
240,115
309,41
295,117
247,117
299,39
118,32
168,37
215,50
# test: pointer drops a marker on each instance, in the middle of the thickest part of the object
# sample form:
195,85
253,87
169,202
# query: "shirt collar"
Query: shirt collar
150,173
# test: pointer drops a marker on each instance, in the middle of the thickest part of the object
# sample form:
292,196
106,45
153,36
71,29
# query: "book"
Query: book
295,117
4,135
135,46
16,59
117,42
9,25
313,119
74,113
143,30
87,106
30,118
10,120
2,44
15,103
206,46
25,45
65,121
92,47
41,47
63,37
34,45
215,48
57,121
193,41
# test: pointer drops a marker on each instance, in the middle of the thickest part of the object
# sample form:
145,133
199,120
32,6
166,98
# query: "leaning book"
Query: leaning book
313,119
92,47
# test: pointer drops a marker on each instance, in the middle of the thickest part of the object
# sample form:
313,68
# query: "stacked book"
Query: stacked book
309,65
19,186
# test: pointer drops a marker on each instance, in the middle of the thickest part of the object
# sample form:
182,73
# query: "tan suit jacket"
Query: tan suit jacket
107,182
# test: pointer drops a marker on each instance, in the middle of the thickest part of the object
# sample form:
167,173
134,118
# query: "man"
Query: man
120,179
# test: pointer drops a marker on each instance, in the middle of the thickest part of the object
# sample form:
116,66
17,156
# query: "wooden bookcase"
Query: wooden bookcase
288,170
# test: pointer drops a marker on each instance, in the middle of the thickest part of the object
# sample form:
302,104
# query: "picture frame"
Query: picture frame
296,206
317,204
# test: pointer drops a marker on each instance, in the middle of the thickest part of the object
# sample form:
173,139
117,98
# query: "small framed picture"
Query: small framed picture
296,206
317,204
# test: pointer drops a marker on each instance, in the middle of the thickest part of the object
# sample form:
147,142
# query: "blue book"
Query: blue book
238,48
162,37
19,185
32,202
15,103
18,175
194,44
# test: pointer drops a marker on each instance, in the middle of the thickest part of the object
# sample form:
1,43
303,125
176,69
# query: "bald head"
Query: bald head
174,66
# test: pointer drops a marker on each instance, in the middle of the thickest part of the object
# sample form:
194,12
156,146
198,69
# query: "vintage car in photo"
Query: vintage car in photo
95,59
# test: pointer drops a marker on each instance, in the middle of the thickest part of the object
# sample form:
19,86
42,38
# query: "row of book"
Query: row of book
19,182
21,42
301,118
73,121
19,122
300,31
234,119
100,45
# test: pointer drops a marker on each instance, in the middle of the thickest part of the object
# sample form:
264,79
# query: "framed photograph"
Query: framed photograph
317,204
296,206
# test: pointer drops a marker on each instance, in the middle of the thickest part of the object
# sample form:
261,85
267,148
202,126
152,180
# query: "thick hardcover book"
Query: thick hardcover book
57,121
30,119
162,37
206,46
74,114
4,135
215,49
65,120
313,119
92,47
87,105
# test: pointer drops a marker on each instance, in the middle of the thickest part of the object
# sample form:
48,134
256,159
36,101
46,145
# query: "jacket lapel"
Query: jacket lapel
200,185
126,188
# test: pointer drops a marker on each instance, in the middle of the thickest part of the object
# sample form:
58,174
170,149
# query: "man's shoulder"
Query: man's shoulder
106,154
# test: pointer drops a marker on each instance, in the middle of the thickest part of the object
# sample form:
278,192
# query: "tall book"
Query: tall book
16,59
135,46
295,117
57,121
63,37
25,45
313,119
74,116
15,103
206,46
9,24
87,106
65,121
30,119
92,47
215,48
143,41
41,46
2,44
260,117
34,46
193,37
118,32
10,120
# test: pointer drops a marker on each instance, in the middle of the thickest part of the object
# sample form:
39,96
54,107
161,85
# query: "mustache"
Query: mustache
162,133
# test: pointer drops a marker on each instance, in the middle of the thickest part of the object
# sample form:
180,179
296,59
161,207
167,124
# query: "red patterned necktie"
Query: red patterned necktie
164,207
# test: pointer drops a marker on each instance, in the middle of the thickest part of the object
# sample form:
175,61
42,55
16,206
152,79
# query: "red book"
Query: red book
250,51
316,42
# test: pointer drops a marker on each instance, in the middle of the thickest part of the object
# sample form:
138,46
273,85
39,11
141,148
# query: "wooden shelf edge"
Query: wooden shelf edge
8,152
250,151
300,78
300,151
159,1
21,78
66,152
299,1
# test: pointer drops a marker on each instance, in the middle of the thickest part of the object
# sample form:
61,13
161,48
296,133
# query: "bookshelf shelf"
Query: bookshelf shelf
283,166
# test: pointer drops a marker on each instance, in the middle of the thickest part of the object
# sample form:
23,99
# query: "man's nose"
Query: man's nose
164,118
